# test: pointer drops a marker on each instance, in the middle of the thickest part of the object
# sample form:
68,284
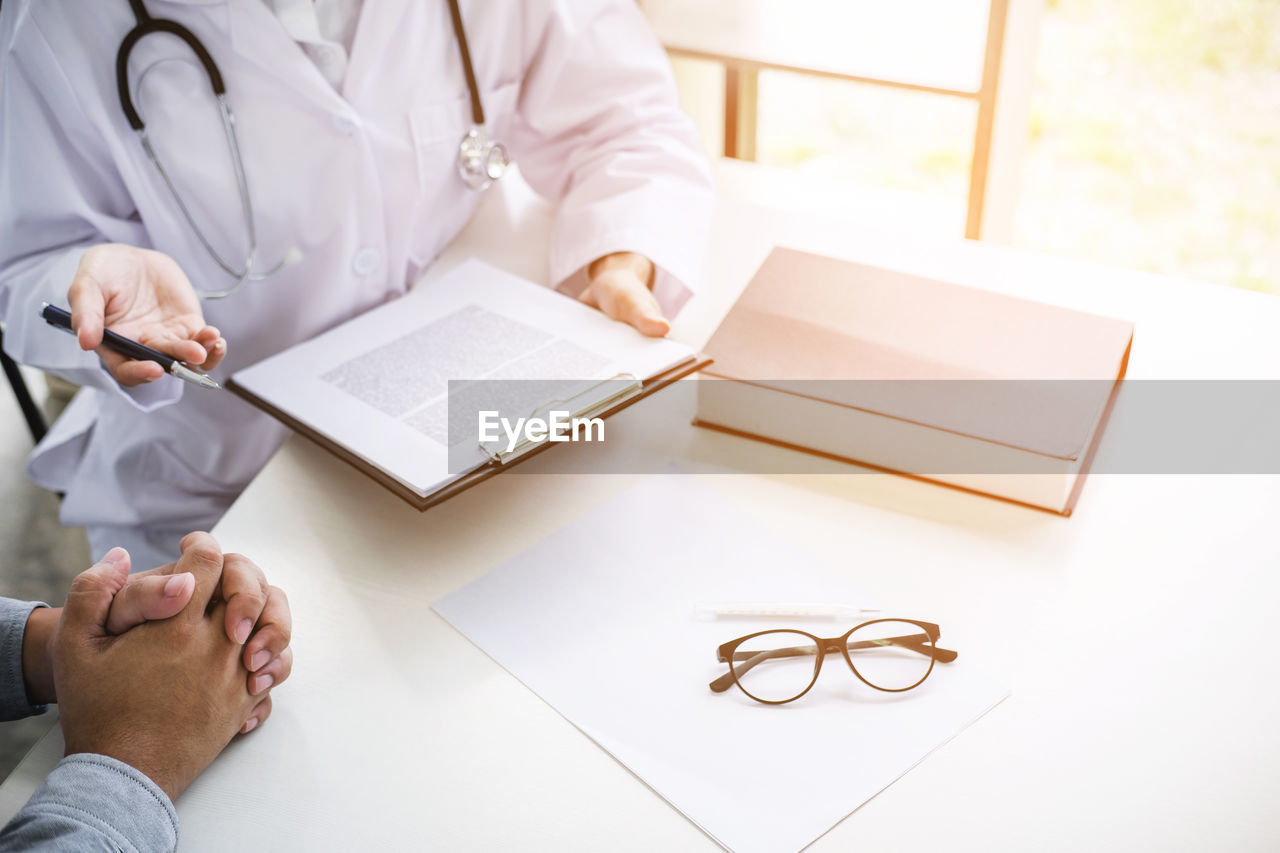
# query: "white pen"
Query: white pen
705,611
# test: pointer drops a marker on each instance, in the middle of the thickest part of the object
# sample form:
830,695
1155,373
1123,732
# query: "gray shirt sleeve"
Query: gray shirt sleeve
13,691
92,802
88,802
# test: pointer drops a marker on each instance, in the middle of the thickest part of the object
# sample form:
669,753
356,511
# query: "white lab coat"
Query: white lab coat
362,181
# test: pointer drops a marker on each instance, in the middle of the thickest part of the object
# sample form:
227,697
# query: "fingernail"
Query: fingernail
259,660
249,725
242,631
259,683
174,586
115,555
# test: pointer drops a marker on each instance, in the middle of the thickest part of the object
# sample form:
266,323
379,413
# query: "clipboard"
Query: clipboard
497,462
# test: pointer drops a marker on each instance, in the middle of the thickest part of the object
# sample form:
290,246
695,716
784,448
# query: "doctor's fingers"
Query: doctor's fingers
244,588
183,349
273,633
624,297
88,304
127,371
215,347
130,372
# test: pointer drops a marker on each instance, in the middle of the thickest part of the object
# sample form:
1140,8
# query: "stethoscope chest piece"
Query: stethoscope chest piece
481,161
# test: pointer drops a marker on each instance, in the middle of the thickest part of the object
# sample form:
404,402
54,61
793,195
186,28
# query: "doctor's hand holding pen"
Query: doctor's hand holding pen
143,295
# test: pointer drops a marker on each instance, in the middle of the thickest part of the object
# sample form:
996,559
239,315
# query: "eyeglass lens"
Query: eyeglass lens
890,655
776,666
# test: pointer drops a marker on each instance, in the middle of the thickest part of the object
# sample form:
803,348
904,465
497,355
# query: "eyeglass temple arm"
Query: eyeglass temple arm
915,642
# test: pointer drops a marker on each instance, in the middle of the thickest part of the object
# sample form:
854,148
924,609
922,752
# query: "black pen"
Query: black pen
61,319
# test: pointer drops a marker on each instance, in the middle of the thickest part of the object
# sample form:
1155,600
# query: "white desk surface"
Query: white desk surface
1136,635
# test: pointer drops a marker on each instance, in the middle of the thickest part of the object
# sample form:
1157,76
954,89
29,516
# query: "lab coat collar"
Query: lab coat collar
258,38
299,20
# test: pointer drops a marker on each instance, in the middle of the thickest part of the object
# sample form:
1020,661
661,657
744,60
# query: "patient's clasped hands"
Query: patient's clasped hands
161,669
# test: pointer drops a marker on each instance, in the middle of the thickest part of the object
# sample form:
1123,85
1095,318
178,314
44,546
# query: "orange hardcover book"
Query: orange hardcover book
972,389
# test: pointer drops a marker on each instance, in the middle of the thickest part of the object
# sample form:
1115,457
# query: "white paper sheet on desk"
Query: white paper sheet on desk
597,619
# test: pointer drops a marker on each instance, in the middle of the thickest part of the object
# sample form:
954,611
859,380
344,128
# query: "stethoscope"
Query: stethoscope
480,160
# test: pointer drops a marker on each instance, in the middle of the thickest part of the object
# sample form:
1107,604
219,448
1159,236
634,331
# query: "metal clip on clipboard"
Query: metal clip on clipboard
632,387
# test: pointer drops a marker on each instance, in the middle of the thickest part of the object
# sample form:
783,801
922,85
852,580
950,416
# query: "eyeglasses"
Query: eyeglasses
776,667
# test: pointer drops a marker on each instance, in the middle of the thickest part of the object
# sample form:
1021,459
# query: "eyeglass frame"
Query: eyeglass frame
826,646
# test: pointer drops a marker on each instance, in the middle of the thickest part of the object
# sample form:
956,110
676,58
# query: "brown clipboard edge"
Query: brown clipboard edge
1065,512
408,495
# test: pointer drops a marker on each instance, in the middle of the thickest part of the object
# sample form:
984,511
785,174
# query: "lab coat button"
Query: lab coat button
365,261
343,124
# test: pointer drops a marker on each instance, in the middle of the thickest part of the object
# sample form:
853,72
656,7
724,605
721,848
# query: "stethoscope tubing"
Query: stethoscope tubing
146,26
480,161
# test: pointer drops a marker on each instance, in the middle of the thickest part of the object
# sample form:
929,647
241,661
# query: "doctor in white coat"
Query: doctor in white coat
349,116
